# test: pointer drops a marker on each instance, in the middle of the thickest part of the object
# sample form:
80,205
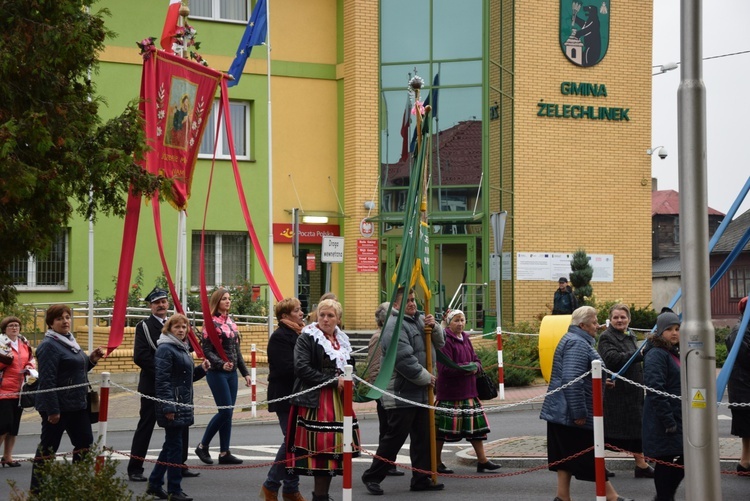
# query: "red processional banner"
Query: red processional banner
177,95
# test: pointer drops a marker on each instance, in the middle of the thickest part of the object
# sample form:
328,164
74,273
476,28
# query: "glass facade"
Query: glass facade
463,52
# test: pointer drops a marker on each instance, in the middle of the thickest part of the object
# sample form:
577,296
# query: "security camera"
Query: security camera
659,150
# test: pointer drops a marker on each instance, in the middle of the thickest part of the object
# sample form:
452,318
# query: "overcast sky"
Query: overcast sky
726,30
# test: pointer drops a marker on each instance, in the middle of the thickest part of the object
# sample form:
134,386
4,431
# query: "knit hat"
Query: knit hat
665,320
742,305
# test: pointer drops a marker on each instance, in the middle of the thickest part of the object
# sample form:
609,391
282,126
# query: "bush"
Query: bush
520,360
79,481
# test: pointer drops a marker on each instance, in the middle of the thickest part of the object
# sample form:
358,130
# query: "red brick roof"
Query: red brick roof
667,203
460,157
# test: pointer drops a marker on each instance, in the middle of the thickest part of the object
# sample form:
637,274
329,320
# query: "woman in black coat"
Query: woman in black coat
623,402
662,415
739,390
175,373
64,367
290,317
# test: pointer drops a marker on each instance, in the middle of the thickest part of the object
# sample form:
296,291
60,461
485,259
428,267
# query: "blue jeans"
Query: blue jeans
171,452
224,388
278,472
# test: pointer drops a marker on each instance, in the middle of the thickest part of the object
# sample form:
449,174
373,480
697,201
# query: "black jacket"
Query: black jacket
281,367
59,366
661,413
739,380
312,367
175,374
144,352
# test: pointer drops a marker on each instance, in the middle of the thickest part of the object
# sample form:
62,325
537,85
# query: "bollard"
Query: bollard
348,433
253,382
103,411
500,369
598,407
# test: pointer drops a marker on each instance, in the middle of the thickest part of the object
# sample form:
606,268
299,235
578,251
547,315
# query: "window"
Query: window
240,116
227,258
47,272
739,282
220,10
677,229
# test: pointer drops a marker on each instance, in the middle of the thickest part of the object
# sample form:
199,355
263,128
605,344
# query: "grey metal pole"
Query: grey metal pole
697,345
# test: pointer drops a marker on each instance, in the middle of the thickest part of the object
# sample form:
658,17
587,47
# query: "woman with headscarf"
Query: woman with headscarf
662,415
456,390
11,380
569,411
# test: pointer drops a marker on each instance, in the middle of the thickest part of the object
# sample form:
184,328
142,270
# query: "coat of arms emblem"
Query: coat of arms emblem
584,30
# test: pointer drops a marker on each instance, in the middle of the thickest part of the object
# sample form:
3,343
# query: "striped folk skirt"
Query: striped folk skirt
454,427
315,438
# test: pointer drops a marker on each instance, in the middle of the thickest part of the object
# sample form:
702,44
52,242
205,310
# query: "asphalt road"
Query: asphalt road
257,444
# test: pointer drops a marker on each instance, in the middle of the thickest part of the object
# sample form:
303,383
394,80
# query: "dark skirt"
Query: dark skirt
740,421
10,416
565,441
315,443
454,427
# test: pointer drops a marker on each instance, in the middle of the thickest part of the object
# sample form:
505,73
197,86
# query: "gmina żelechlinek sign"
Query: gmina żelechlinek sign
582,111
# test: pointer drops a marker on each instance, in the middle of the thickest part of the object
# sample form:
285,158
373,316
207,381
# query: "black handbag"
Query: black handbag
27,399
486,387
92,401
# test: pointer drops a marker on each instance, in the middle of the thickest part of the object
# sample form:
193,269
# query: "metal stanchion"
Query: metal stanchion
103,411
253,382
598,397
348,432
500,369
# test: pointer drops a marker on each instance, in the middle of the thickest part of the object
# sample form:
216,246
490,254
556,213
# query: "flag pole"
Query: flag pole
270,165
181,267
427,306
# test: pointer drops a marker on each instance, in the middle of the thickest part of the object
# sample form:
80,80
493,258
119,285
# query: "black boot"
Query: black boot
324,497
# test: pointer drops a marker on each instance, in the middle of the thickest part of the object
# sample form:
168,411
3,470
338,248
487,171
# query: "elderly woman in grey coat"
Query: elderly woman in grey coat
623,401
569,412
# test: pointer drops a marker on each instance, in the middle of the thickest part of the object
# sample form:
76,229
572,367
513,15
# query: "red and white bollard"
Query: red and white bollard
253,382
500,369
348,432
103,411
598,406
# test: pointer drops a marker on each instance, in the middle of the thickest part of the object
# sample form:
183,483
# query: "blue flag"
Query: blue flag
255,34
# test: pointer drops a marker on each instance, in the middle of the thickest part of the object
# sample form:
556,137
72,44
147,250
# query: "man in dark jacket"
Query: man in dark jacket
565,302
147,334
410,381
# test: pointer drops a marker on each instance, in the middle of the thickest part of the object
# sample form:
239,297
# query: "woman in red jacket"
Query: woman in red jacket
11,380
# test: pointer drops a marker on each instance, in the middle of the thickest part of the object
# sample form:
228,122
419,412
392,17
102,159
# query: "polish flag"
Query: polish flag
170,25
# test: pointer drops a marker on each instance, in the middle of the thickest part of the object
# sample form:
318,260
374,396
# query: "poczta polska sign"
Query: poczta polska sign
584,40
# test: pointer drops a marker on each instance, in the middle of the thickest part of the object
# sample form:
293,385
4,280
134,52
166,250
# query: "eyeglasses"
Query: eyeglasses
13,326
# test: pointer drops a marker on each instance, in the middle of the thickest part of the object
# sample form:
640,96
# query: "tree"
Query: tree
580,277
56,154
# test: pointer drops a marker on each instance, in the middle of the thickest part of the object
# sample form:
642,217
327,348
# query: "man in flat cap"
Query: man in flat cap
147,332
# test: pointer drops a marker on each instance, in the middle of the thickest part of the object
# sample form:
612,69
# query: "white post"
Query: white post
270,166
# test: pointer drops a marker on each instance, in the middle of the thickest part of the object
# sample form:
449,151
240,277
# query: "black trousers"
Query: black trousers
142,437
667,478
412,422
78,427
